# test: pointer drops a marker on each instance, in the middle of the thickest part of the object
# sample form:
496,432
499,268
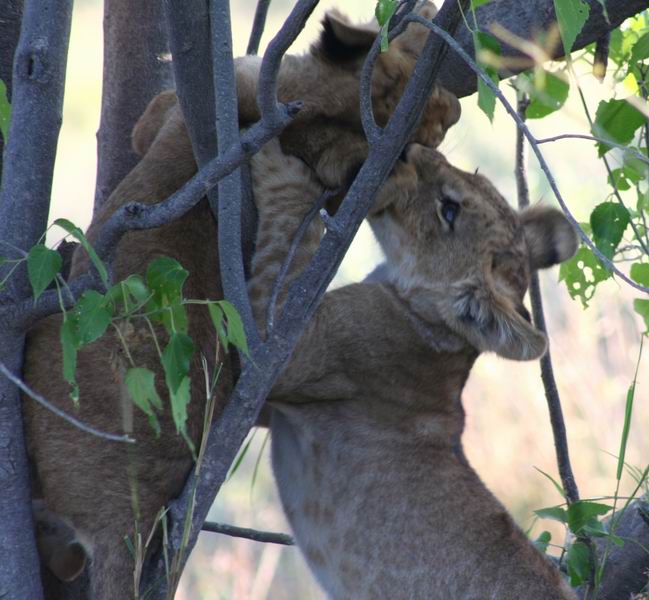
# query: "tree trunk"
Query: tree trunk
136,68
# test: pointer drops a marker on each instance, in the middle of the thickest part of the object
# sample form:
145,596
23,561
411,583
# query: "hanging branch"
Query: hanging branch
258,25
265,537
37,99
547,372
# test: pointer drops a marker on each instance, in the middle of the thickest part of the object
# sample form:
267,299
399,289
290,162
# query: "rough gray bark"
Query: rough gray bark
135,70
38,83
525,18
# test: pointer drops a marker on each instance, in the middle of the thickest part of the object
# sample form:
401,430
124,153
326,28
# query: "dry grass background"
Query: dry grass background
508,432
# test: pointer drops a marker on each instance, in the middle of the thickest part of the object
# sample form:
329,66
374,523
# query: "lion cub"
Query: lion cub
368,416
87,483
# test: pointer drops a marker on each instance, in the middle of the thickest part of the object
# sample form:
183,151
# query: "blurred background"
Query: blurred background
508,432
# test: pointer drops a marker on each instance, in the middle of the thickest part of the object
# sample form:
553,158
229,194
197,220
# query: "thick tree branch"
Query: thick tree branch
256,380
526,19
38,83
135,70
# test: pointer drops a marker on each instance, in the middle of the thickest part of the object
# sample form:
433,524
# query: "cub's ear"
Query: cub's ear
340,41
550,238
149,124
491,321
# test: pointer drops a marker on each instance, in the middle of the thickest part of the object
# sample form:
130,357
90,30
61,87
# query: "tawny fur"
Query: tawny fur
367,426
85,481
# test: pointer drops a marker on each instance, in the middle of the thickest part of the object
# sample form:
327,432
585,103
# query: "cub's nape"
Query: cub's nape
469,253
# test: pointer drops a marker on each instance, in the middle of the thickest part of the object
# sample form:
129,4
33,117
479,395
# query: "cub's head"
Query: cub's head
458,251
346,45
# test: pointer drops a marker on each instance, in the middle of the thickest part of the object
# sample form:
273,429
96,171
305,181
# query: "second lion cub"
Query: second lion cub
368,417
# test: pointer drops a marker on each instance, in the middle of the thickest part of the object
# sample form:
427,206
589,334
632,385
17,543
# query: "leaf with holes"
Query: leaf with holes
608,222
92,317
487,51
140,384
42,266
76,233
578,563
582,273
571,16
617,121
5,113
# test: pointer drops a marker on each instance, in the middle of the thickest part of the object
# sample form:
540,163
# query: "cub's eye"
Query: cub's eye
449,211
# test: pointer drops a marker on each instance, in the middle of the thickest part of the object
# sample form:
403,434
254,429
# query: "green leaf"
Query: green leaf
140,383
640,49
486,46
165,278
547,91
571,15
175,360
92,317
5,113
542,541
641,306
628,412
554,513
617,121
242,453
75,232
42,266
236,332
179,402
582,273
69,345
640,273
476,3
556,484
217,316
608,221
581,512
578,563
127,295
384,11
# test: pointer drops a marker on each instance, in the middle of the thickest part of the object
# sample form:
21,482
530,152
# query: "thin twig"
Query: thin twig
295,243
536,299
59,413
258,25
534,145
592,138
265,537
